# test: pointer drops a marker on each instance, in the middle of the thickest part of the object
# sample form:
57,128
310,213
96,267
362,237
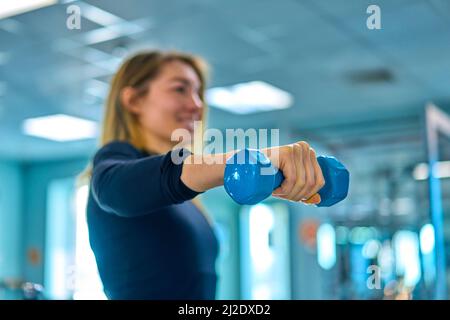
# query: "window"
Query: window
265,252
70,266
88,285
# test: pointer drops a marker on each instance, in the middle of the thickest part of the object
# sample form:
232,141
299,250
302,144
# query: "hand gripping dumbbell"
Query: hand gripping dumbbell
250,177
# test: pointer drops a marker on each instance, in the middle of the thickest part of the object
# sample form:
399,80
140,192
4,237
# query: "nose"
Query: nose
195,103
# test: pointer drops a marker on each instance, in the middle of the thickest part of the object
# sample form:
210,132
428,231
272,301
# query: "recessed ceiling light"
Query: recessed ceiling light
60,127
251,97
12,8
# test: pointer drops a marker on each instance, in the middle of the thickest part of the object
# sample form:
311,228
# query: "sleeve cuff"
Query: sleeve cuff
172,167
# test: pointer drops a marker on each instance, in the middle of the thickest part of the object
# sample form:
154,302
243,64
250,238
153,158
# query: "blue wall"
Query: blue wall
37,177
11,251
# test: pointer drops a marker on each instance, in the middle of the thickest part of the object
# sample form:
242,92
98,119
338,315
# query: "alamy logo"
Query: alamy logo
213,141
74,19
374,20
374,279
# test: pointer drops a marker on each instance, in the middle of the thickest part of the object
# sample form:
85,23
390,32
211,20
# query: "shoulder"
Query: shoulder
117,150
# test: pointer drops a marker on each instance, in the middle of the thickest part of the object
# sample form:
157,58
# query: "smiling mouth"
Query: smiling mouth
187,123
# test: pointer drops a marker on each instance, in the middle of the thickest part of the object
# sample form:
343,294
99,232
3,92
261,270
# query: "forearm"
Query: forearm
204,172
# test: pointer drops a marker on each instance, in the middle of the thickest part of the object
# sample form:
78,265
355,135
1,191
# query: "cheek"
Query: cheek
162,106
160,119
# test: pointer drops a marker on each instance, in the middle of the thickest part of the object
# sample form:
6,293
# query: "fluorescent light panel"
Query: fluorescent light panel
110,33
98,16
12,7
60,127
251,97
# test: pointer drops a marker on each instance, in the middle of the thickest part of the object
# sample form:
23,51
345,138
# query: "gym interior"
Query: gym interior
367,82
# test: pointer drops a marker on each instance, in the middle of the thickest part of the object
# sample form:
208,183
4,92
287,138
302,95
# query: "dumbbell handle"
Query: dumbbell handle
279,177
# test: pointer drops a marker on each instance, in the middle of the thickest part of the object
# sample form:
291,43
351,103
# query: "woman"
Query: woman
149,238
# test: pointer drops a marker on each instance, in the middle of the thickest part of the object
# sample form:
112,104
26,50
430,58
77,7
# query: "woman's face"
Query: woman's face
172,102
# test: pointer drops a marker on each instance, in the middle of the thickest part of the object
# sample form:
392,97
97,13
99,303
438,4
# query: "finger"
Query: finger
315,199
278,192
300,172
308,170
316,172
320,179
290,175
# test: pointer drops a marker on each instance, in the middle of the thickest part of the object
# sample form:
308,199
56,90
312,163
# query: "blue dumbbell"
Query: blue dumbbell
250,177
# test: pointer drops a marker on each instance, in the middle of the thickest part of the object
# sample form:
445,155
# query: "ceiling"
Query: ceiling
343,76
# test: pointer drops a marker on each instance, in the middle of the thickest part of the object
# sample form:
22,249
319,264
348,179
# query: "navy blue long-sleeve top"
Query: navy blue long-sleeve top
149,240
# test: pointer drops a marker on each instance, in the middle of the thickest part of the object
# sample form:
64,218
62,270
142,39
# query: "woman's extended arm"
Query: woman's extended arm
127,184
297,161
